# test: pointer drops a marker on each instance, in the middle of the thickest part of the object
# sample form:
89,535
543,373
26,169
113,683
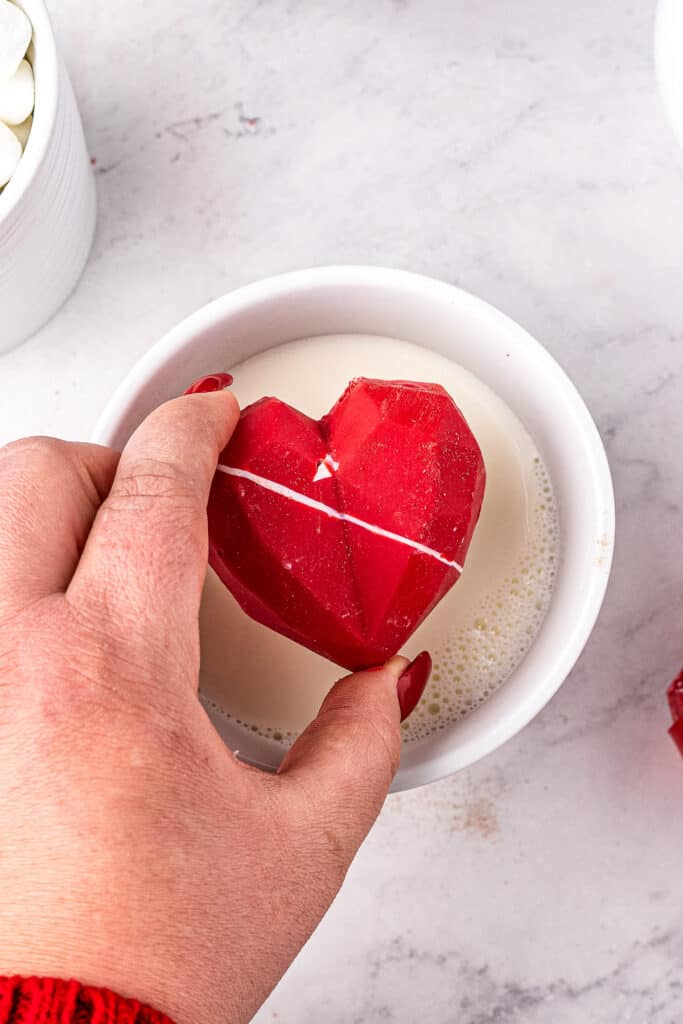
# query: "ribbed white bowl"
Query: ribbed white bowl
393,303
47,211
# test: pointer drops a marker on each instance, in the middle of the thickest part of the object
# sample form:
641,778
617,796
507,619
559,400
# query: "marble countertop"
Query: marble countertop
519,150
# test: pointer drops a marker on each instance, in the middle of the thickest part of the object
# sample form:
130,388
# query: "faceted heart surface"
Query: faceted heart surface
343,533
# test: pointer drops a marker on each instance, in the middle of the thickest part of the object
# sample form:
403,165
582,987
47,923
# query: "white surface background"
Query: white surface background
518,149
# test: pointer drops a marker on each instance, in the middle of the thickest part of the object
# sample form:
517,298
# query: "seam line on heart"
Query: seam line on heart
333,513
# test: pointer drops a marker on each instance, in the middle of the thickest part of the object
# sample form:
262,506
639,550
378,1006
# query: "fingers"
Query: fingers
50,491
145,559
345,760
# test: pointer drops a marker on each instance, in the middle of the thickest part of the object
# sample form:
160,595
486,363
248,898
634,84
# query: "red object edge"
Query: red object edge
676,734
675,695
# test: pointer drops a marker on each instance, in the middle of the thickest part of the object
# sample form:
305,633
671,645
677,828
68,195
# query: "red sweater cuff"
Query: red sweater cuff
49,1001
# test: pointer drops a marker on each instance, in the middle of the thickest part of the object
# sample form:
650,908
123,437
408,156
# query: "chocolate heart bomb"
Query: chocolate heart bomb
343,533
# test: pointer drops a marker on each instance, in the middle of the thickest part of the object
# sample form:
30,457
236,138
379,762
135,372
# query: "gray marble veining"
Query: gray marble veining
519,150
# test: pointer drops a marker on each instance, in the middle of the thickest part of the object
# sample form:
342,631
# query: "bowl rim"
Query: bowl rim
442,763
45,109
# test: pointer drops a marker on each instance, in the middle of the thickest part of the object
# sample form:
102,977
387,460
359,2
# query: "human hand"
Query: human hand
137,853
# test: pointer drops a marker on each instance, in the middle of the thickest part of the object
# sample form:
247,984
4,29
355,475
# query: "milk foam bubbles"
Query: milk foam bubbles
478,633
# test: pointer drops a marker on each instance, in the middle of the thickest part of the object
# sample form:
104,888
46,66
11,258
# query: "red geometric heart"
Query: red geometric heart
344,533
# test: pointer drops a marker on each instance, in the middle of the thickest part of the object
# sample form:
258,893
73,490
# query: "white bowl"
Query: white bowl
341,300
669,60
47,209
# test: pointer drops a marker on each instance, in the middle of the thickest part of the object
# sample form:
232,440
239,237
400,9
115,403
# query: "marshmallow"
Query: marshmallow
22,130
17,95
15,36
10,153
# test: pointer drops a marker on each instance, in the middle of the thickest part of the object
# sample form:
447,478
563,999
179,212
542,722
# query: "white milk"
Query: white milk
480,631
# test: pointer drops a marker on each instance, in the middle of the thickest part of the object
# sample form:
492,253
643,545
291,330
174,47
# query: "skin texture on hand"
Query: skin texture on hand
135,851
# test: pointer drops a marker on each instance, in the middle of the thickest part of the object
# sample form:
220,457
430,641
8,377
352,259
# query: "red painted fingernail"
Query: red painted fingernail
412,682
213,382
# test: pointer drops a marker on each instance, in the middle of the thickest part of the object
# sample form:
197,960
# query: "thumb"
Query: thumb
345,760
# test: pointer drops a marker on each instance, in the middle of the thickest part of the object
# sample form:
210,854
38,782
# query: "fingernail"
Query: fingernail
213,382
412,682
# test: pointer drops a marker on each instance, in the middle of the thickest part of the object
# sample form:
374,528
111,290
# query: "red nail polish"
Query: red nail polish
213,382
412,682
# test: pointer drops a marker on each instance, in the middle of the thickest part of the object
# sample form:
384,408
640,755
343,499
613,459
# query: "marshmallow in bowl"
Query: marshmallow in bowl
17,88
10,153
17,95
22,130
15,36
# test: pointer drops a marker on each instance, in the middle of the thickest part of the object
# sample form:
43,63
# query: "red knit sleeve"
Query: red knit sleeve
49,1001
